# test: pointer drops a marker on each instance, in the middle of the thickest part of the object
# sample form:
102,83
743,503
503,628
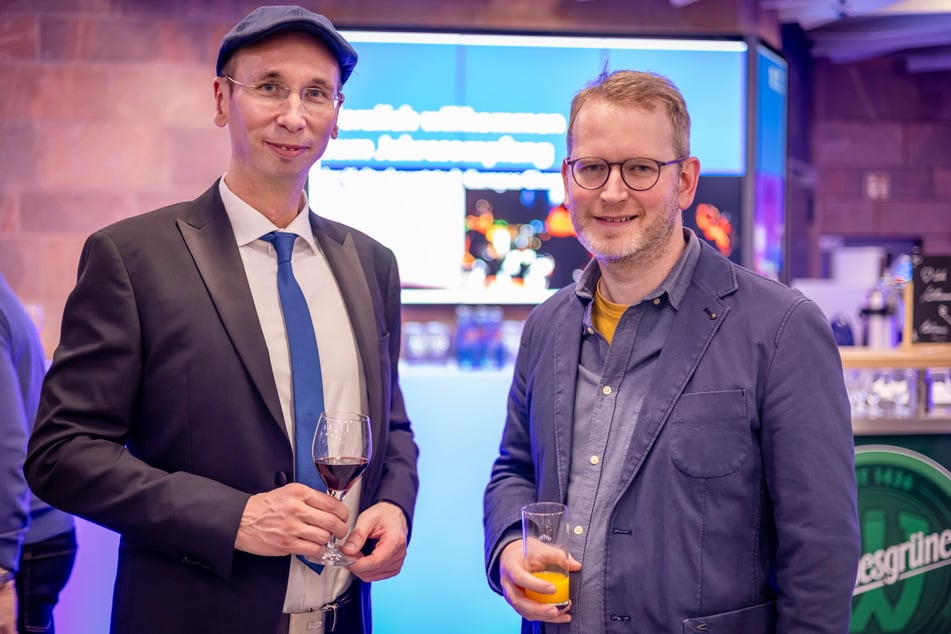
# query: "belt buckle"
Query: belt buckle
332,607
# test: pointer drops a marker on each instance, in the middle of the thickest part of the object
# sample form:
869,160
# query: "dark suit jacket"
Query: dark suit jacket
160,417
737,512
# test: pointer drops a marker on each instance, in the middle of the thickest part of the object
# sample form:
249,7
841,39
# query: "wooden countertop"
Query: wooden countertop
904,357
900,426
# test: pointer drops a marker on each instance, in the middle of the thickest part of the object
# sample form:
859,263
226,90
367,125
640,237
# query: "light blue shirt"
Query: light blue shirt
612,382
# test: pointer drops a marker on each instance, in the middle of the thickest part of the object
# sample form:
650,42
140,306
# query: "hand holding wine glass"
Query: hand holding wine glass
341,450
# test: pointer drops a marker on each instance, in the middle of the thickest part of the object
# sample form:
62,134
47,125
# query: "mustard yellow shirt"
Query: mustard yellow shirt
605,314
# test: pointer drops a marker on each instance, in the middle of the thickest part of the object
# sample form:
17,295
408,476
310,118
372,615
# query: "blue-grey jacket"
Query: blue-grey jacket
24,518
739,507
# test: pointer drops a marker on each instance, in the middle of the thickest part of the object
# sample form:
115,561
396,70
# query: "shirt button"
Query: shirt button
656,301
606,390
595,460
578,530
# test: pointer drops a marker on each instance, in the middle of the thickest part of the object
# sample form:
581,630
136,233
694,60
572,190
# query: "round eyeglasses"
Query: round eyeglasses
639,173
272,93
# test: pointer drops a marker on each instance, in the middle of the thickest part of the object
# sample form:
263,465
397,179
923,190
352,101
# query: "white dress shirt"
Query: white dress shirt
344,385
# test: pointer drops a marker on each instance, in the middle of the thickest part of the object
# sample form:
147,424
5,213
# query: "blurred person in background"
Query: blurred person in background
691,414
169,414
37,542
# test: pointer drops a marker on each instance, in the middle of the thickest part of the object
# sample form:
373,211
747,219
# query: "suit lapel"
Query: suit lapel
348,269
701,313
210,240
567,357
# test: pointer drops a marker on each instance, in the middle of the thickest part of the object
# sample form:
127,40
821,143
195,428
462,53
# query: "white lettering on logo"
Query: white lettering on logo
919,554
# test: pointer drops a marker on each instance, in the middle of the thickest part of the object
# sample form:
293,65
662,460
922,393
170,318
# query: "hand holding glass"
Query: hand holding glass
341,450
545,547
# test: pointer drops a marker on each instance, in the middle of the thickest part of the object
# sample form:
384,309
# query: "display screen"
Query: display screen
769,215
450,149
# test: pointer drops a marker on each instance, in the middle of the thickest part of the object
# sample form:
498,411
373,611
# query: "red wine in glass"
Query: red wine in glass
339,474
342,449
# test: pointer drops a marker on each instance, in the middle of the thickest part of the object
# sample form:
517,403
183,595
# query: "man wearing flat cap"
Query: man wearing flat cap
200,344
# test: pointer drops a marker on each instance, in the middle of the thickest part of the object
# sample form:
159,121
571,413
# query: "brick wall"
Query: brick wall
105,112
873,123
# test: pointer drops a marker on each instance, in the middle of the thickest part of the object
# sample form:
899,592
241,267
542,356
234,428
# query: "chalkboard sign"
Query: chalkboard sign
931,299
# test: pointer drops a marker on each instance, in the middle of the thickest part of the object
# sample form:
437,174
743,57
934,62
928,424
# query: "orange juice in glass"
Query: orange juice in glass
545,548
557,579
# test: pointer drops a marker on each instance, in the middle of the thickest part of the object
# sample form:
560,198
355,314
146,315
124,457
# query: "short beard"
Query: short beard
640,250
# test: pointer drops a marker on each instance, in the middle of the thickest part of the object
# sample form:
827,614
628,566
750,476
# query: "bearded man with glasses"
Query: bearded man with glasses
175,412
691,414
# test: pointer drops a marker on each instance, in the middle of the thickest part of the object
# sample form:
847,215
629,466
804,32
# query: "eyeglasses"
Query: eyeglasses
640,174
272,93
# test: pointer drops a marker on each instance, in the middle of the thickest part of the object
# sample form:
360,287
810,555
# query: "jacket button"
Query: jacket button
280,479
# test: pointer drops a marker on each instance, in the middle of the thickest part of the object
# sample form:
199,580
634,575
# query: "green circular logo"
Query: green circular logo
903,583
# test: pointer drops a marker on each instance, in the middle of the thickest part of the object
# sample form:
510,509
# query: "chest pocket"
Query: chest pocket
709,433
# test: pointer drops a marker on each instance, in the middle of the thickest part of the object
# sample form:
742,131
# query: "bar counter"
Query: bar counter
903,471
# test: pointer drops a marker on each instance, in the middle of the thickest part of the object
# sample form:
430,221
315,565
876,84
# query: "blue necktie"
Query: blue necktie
305,364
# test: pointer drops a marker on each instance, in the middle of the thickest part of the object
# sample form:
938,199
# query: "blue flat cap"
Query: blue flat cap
265,21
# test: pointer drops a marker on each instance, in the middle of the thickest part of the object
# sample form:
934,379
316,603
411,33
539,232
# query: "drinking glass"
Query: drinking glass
545,547
341,450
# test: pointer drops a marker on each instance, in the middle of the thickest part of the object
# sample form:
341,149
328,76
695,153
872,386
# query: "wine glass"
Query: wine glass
341,450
